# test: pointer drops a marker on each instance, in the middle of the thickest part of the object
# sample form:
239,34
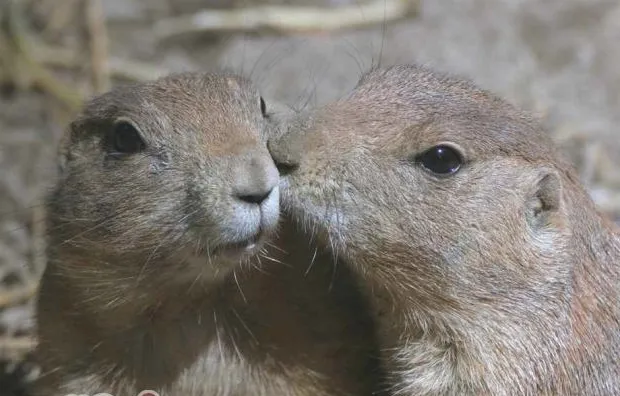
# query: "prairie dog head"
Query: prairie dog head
438,189
174,168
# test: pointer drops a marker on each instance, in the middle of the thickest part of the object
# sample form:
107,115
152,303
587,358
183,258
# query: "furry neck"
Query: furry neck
149,330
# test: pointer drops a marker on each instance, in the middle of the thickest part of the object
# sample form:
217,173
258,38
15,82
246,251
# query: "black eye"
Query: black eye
126,139
263,107
442,160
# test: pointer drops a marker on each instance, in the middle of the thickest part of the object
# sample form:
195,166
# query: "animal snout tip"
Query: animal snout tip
258,186
284,164
285,168
257,197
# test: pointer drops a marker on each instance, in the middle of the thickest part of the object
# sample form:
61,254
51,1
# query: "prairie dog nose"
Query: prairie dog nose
285,164
255,198
255,178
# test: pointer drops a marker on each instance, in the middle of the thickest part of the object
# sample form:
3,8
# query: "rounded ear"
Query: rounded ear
545,202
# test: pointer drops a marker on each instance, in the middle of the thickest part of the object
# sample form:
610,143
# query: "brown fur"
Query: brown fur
136,296
502,279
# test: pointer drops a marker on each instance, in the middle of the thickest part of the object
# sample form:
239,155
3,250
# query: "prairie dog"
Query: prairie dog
489,268
167,194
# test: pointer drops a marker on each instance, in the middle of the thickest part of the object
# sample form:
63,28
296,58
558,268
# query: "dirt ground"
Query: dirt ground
556,58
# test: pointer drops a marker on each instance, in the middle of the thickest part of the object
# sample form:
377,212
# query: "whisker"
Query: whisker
259,59
245,326
311,262
217,335
274,246
335,266
239,286
139,278
194,282
237,351
255,266
275,260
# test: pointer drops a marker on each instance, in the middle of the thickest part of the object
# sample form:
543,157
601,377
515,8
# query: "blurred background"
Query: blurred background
556,58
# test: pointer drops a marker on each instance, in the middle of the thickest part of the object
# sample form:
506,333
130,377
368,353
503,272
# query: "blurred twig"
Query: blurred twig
286,18
95,21
16,346
25,58
121,68
61,14
26,64
17,295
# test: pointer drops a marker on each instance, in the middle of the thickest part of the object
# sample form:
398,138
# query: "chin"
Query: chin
239,251
215,264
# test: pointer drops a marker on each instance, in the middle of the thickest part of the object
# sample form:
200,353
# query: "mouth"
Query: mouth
246,247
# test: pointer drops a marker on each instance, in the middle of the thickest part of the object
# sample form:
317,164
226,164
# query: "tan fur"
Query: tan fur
501,279
136,294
